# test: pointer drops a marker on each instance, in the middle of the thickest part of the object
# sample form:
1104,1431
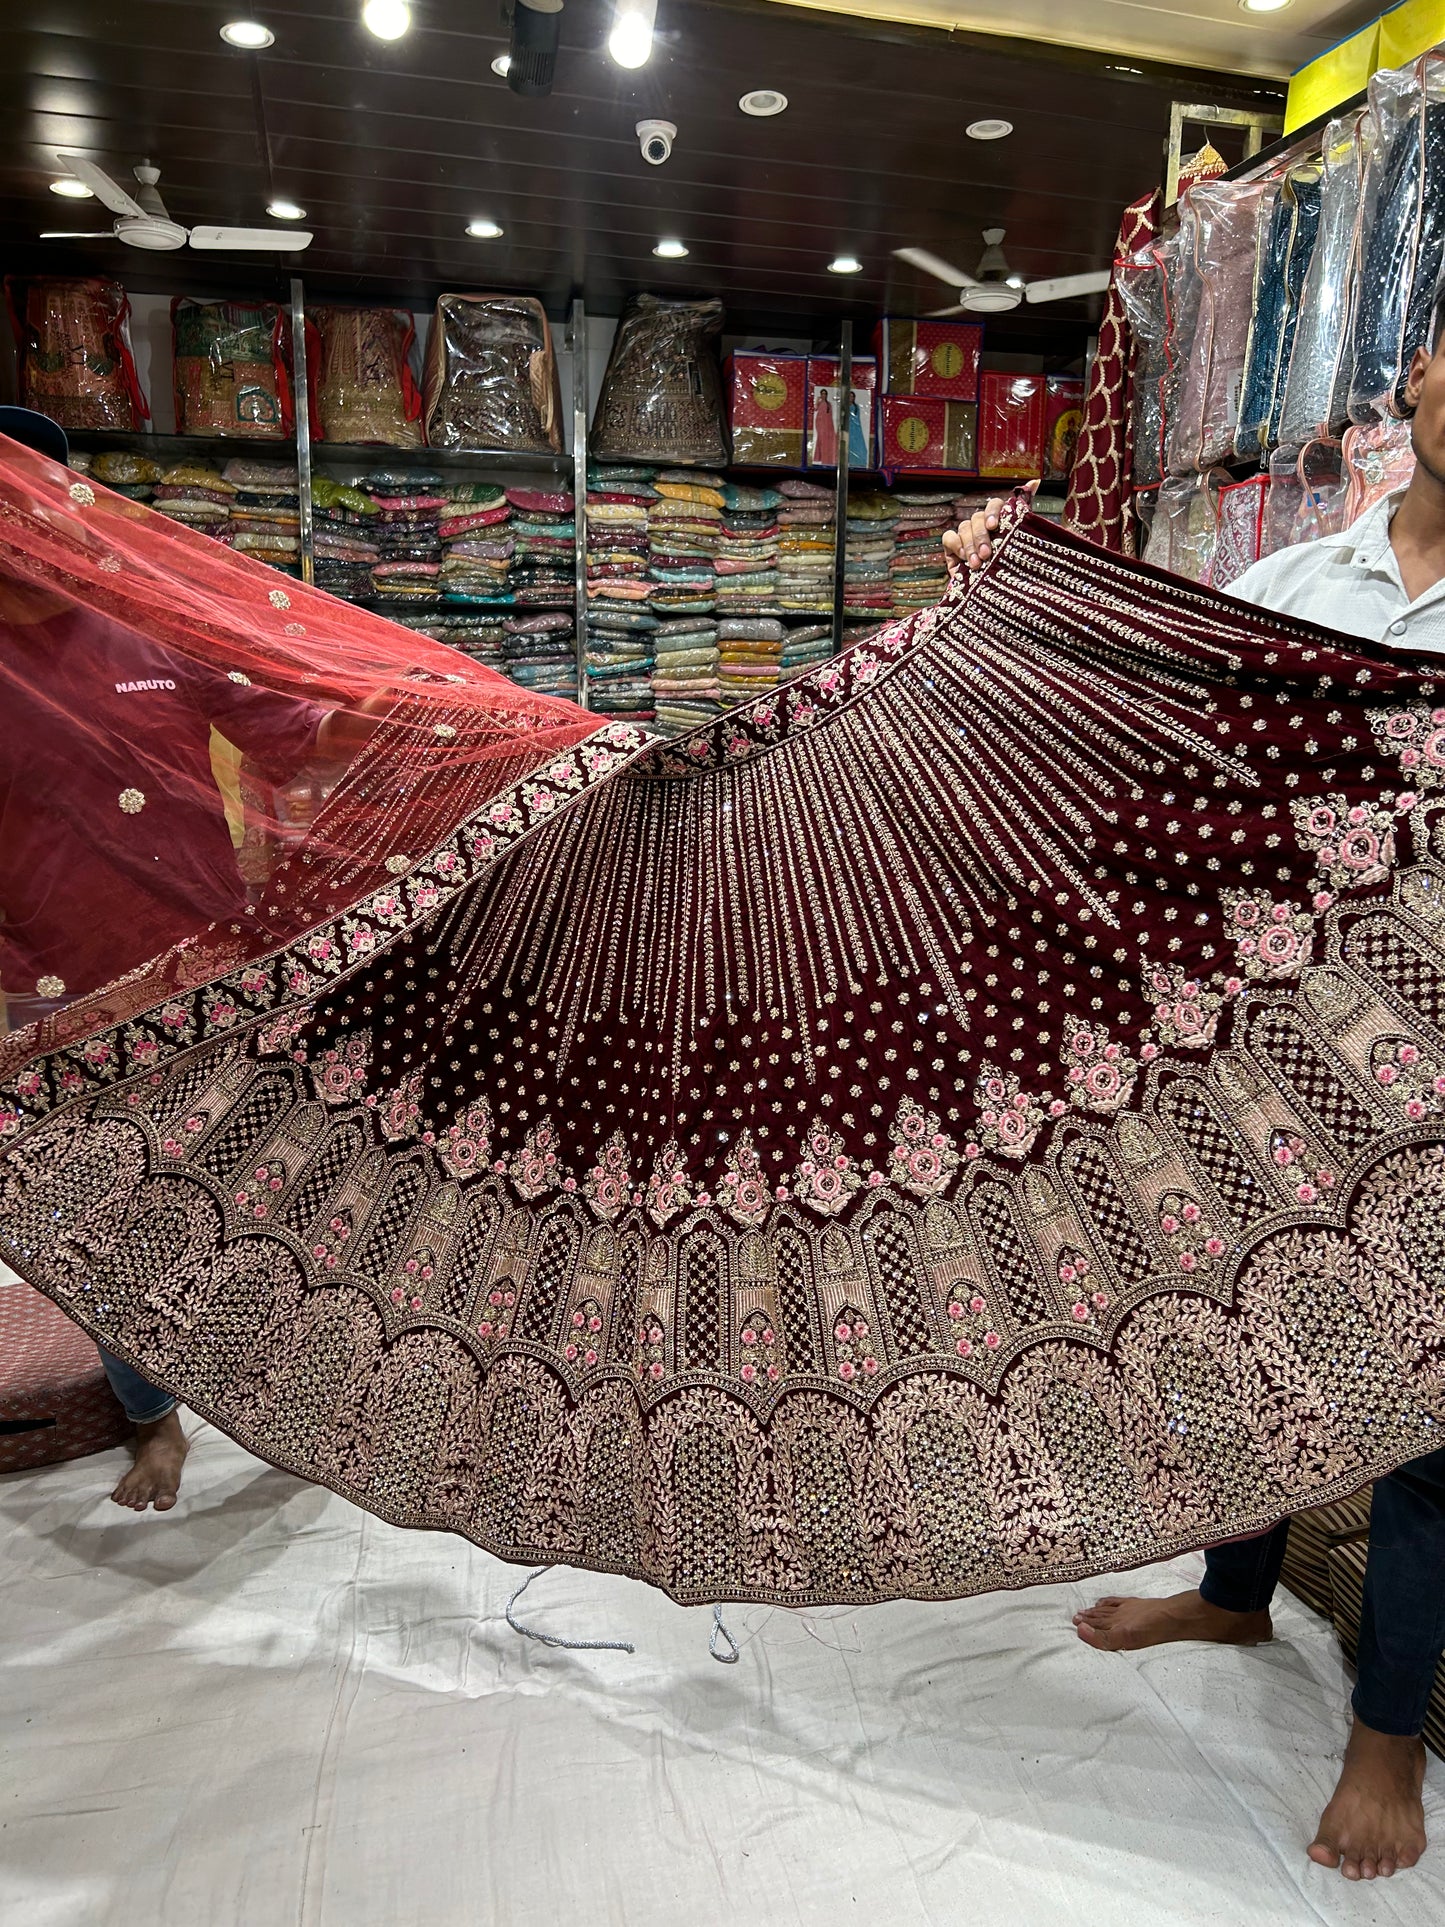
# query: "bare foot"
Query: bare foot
1117,1625
1376,1820
155,1478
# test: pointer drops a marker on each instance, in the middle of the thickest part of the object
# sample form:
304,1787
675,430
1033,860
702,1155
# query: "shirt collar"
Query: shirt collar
1368,539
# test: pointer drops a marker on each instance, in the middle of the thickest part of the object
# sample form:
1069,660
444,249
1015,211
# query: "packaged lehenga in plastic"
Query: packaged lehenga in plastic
1239,530
1220,223
491,376
1404,233
75,358
1185,527
1316,395
365,388
1306,498
661,398
228,374
1143,284
1379,458
1286,245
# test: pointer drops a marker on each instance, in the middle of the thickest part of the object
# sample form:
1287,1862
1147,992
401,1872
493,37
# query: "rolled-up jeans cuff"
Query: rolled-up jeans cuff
142,1402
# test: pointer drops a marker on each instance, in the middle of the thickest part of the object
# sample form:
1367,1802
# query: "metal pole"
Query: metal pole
579,487
845,424
302,401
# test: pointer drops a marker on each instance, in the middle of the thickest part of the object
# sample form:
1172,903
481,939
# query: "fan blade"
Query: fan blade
105,190
942,314
940,270
274,240
74,234
1066,286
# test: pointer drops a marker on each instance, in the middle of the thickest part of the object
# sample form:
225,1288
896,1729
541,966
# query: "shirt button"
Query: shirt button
1397,628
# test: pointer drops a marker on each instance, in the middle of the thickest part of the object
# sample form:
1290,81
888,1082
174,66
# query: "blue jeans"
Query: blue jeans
144,1403
1402,1628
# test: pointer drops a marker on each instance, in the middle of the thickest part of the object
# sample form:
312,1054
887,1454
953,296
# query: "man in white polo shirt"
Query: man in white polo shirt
1384,579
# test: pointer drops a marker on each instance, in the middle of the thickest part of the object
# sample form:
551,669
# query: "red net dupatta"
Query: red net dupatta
970,1118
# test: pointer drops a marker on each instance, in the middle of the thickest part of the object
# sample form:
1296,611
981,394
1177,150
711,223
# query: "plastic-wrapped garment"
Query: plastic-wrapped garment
662,394
227,370
1286,247
1220,224
1307,496
1142,282
491,375
1238,542
75,360
1404,233
1186,518
1379,459
365,389
1316,397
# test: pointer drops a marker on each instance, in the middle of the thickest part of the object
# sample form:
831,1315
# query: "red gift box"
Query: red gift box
1064,417
824,395
767,408
1012,419
919,432
938,358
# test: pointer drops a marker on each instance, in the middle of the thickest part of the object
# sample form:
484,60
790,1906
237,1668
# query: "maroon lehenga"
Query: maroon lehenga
973,1117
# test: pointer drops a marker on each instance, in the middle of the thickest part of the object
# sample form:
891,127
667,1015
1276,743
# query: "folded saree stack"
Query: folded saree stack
807,525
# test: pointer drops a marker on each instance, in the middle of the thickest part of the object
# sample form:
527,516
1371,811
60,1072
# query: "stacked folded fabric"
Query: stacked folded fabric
544,527
265,517
919,570
617,503
868,557
340,531
477,542
747,553
405,530
683,529
477,633
540,653
807,527
134,476
685,677
197,495
805,647
750,658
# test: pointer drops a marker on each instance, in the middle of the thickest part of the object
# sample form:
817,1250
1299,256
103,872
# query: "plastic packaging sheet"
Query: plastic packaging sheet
1307,494
1220,223
1286,247
491,375
1143,284
1404,233
268,1708
1182,534
1316,397
75,357
1378,460
227,371
365,389
1239,531
661,398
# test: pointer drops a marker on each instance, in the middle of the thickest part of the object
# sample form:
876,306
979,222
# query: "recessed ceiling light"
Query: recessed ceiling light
989,130
72,189
387,19
671,250
1265,6
247,33
484,230
285,211
502,65
845,264
630,41
763,102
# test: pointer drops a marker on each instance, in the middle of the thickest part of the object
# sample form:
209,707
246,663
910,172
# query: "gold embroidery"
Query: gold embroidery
132,801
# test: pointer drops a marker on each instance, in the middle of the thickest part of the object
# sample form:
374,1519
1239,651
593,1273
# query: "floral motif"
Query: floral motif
1186,1014
416,1274
1298,1163
970,1323
1010,1119
827,1177
340,1071
923,1159
607,1186
758,1344
1072,1269
330,1246
50,986
279,599
132,801
1413,1079
742,1190
1415,737
1353,843
466,1143
1100,1072
584,1334
1270,939
852,1353
496,1316
1194,1241
651,1350
533,1169
278,1038
400,1109
256,1194
668,1190
82,493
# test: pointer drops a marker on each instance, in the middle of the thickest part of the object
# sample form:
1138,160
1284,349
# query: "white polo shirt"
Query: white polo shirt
1350,582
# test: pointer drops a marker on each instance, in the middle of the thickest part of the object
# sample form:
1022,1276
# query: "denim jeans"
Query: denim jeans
144,1403
1402,1628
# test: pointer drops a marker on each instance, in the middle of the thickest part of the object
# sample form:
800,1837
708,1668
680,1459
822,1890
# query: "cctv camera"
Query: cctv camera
656,138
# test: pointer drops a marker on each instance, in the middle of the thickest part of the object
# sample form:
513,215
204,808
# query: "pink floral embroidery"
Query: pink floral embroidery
1271,940
1415,737
852,1351
340,1072
1100,1072
399,1109
607,1185
826,1178
1010,1119
534,1168
1186,1015
923,1158
1353,843
668,1191
742,1191
466,1142
1412,1078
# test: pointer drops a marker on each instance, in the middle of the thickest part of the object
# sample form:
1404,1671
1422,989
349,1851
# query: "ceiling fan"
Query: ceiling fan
994,288
142,221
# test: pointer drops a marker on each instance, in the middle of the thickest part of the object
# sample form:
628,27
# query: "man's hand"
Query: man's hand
968,546
346,732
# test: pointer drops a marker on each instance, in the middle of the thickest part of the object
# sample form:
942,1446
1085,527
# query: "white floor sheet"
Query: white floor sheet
269,1708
